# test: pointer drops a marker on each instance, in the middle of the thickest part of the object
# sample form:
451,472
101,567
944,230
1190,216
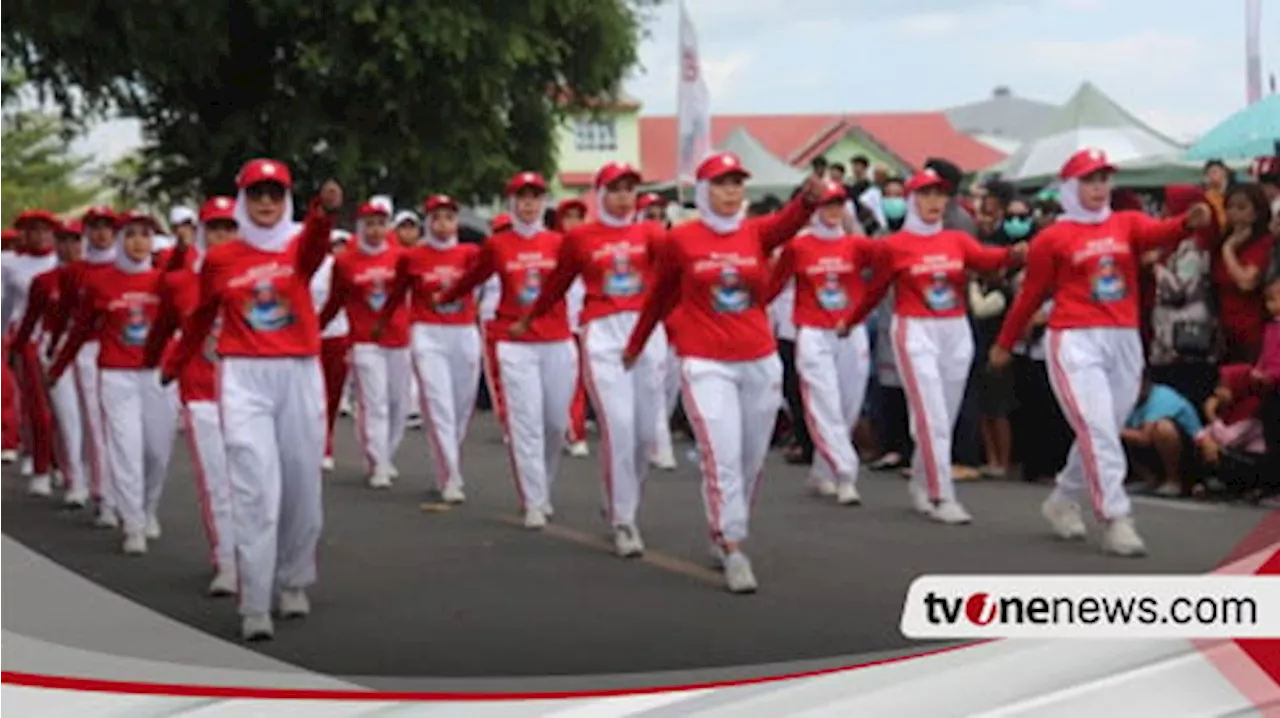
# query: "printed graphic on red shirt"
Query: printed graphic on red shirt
621,278
940,296
730,294
137,322
266,310
1108,282
377,294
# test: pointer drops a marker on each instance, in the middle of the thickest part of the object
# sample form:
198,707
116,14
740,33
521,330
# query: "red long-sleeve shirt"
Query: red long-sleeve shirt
522,263
77,278
119,311
422,272
928,274
42,305
718,283
263,298
828,274
1090,270
179,298
615,265
362,284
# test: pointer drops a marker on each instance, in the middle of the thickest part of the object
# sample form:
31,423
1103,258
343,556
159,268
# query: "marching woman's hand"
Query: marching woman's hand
1199,216
813,189
331,196
999,358
1018,254
520,328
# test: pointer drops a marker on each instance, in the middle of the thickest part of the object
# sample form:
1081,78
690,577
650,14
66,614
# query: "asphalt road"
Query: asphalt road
470,593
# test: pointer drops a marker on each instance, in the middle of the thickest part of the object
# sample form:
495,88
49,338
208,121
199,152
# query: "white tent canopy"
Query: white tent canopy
1089,119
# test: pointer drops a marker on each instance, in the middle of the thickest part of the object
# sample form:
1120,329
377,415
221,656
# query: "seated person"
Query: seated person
1232,412
1158,439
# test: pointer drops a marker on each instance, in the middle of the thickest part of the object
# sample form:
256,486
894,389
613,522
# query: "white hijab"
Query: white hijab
915,224
126,264
93,255
266,239
718,223
822,230
527,229
1074,211
611,220
364,247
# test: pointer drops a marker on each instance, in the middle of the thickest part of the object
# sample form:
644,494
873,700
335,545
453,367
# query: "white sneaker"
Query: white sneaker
393,472
950,512
534,518
453,494
344,407
413,421
135,543
663,460
717,554
1122,539
107,519
293,603
8,456
28,466
847,495
225,582
1065,518
76,498
826,488
738,577
328,464
579,450
548,510
41,485
257,628
59,481
920,502
626,542
380,480
152,532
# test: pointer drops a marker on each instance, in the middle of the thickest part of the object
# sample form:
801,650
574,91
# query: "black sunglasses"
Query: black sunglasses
271,190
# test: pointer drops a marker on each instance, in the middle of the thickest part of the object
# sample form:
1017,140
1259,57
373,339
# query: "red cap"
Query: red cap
1084,163
101,212
72,228
370,209
613,171
9,237
263,170
436,201
1266,166
833,192
214,208
525,180
134,217
571,203
500,222
925,179
36,215
648,199
721,165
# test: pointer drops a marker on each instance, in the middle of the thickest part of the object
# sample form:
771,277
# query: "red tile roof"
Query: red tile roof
911,136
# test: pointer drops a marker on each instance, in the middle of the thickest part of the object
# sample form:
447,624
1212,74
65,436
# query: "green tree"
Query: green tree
401,96
38,167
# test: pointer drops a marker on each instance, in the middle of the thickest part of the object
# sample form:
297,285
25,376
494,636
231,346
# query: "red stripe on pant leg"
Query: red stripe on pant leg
424,406
10,403
202,486
1075,419
578,409
707,460
587,379
38,413
333,352
815,429
492,376
916,402
362,428
511,439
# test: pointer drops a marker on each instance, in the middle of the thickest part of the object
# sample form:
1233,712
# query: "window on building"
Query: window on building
595,135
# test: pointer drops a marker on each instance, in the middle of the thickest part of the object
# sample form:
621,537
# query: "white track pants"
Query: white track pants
538,380
669,375
732,407
628,406
69,437
933,358
833,382
203,433
1096,375
93,439
382,402
446,362
138,418
273,423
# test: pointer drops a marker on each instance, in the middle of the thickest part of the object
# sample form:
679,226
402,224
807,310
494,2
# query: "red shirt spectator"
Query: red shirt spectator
1238,269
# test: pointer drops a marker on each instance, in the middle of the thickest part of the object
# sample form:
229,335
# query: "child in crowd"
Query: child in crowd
1157,438
1232,414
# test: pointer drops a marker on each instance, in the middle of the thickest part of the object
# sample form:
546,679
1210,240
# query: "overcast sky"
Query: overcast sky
1177,64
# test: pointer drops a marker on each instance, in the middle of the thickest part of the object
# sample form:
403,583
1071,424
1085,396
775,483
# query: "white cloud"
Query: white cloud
1150,53
1078,5
110,141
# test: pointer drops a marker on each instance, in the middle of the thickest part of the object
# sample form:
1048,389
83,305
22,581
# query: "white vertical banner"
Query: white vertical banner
1253,49
694,104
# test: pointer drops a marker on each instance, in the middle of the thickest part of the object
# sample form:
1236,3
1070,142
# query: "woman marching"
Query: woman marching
137,410
537,369
1087,263
927,268
362,279
180,295
714,272
335,342
445,338
612,255
826,264
270,389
